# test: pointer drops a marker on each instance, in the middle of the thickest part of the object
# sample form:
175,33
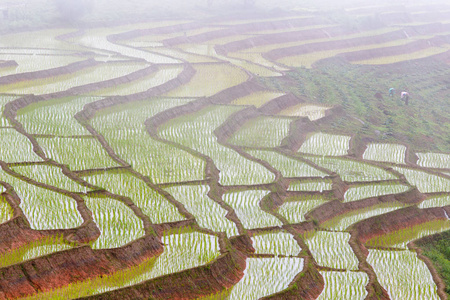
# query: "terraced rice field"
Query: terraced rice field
184,159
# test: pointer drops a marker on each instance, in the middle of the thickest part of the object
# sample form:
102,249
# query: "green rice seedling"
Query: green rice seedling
262,132
207,213
182,250
6,212
434,160
326,144
289,167
38,248
350,170
331,249
209,80
99,73
16,147
312,185
152,204
425,182
196,132
393,153
50,175
344,285
438,201
54,117
44,209
358,192
99,41
192,58
257,99
246,206
258,70
313,112
266,276
164,74
276,243
343,221
117,223
256,58
403,275
131,142
77,153
400,238
295,208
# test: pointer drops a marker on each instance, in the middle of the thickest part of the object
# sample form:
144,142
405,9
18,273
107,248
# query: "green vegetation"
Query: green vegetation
344,285
385,152
358,192
326,144
295,208
279,243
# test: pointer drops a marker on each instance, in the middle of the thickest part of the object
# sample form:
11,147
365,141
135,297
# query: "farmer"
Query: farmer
405,97
391,92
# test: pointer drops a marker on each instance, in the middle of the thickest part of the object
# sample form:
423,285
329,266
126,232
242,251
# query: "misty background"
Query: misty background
18,15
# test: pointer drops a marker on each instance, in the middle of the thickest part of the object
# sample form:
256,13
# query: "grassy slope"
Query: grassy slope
424,124
439,252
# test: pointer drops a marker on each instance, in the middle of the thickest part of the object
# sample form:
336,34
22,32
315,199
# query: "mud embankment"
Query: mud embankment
276,105
8,64
65,70
60,269
220,274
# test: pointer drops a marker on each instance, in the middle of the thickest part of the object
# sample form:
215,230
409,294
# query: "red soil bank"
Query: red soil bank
70,68
8,64
394,221
280,38
336,208
222,273
396,50
243,28
62,268
276,105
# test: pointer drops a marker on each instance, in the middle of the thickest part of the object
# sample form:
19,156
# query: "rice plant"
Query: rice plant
132,143
313,112
344,285
16,147
257,99
196,132
182,250
425,182
438,201
262,132
343,221
393,153
276,243
209,80
38,248
117,223
3,100
189,57
266,276
44,209
400,238
350,170
310,185
6,212
207,213
246,206
77,153
164,74
331,249
403,275
50,175
434,160
326,144
358,192
294,211
55,117
152,204
288,167
98,73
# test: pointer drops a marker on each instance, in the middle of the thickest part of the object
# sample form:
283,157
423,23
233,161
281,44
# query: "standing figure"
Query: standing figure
405,97
391,92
